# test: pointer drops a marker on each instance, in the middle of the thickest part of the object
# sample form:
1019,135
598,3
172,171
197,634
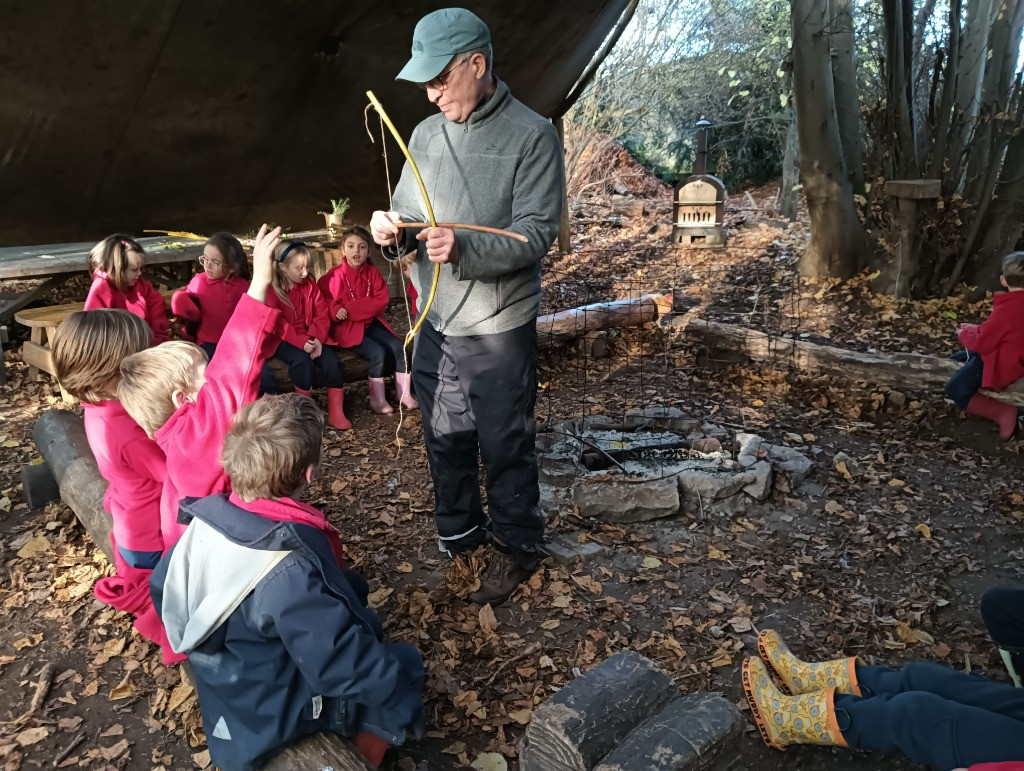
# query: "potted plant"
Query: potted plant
335,217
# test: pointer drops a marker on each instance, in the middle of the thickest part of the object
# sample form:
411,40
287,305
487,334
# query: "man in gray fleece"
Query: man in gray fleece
487,159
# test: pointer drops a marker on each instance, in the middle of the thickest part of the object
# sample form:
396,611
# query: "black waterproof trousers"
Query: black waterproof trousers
477,396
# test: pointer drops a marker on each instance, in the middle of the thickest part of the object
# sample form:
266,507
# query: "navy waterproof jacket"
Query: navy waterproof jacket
279,637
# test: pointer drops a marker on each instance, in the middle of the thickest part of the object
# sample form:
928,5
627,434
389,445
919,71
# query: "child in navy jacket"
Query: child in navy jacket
278,632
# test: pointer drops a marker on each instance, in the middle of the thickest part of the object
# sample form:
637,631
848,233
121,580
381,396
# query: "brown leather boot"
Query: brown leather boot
502,576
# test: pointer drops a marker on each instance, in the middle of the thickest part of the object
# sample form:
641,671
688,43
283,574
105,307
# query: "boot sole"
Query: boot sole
755,710
767,659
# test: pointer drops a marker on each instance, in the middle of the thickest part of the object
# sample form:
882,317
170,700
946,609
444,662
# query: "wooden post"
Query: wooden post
564,236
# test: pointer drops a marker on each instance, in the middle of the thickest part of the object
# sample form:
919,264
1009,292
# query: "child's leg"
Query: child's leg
300,365
329,368
929,729
209,348
268,380
966,382
374,353
949,684
141,560
381,335
1002,609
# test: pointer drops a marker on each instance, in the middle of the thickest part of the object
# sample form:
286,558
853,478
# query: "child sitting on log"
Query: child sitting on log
87,350
187,406
994,353
934,715
281,640
358,295
307,323
116,265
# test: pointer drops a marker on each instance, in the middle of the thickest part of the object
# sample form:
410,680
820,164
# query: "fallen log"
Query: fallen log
60,437
561,327
318,751
899,370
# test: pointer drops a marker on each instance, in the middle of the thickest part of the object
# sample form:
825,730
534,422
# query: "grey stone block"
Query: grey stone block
38,485
697,732
614,501
565,549
581,723
761,487
557,470
709,486
671,418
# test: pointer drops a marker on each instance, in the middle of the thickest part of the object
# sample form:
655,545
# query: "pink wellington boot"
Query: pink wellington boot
304,392
403,387
378,402
1002,414
336,409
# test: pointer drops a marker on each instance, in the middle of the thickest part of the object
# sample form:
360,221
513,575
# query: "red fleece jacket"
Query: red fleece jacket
307,316
1000,341
193,436
210,302
362,292
290,510
1010,765
135,467
142,300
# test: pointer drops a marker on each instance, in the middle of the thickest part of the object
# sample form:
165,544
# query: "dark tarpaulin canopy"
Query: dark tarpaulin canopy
209,116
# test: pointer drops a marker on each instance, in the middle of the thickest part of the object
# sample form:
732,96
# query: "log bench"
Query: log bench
60,437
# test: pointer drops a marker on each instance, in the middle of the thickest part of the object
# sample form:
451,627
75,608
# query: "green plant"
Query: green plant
338,207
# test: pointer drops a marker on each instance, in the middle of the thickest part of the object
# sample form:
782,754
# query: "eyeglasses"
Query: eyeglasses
440,83
206,262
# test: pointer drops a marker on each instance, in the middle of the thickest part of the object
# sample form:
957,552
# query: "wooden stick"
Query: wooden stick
42,687
67,750
455,226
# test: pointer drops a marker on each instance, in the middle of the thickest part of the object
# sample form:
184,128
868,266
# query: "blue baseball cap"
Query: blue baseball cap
438,37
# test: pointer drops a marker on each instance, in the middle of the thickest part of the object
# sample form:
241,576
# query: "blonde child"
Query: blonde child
116,265
88,349
357,296
307,322
187,406
281,640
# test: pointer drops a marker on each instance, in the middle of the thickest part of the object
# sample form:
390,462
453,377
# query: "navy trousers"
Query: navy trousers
380,348
268,383
477,396
967,381
305,371
934,715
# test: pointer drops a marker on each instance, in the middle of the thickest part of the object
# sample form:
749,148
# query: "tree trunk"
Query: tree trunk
789,194
1006,218
899,87
844,76
837,236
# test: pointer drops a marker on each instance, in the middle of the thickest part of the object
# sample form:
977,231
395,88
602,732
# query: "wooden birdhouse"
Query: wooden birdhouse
699,202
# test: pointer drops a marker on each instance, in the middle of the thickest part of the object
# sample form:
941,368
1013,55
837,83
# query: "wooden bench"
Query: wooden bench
43,323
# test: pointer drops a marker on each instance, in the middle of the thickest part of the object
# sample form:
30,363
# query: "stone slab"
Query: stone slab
616,501
566,549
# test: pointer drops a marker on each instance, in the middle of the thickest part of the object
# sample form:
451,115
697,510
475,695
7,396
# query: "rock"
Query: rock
761,487
848,462
671,418
602,423
792,463
590,716
566,549
751,450
706,444
557,470
897,398
709,486
693,733
710,429
616,501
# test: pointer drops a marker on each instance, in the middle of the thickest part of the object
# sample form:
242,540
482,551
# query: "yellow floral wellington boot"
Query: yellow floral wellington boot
808,718
799,676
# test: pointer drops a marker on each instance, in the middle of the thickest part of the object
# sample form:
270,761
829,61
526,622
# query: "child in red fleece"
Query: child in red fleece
307,323
116,265
357,296
87,352
994,355
187,406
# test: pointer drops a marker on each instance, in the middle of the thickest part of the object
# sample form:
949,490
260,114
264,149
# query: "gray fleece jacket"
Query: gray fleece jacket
502,168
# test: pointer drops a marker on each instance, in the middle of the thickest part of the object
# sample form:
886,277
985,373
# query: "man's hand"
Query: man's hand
441,245
382,227
263,262
341,315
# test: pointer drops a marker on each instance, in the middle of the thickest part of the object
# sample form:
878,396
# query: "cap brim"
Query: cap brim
423,69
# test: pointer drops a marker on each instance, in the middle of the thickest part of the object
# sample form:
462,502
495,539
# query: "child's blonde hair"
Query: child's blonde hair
271,444
113,255
88,349
1013,269
284,252
150,378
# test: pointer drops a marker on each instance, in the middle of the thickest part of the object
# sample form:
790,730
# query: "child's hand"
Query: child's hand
318,348
309,347
382,227
263,262
341,315
968,326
